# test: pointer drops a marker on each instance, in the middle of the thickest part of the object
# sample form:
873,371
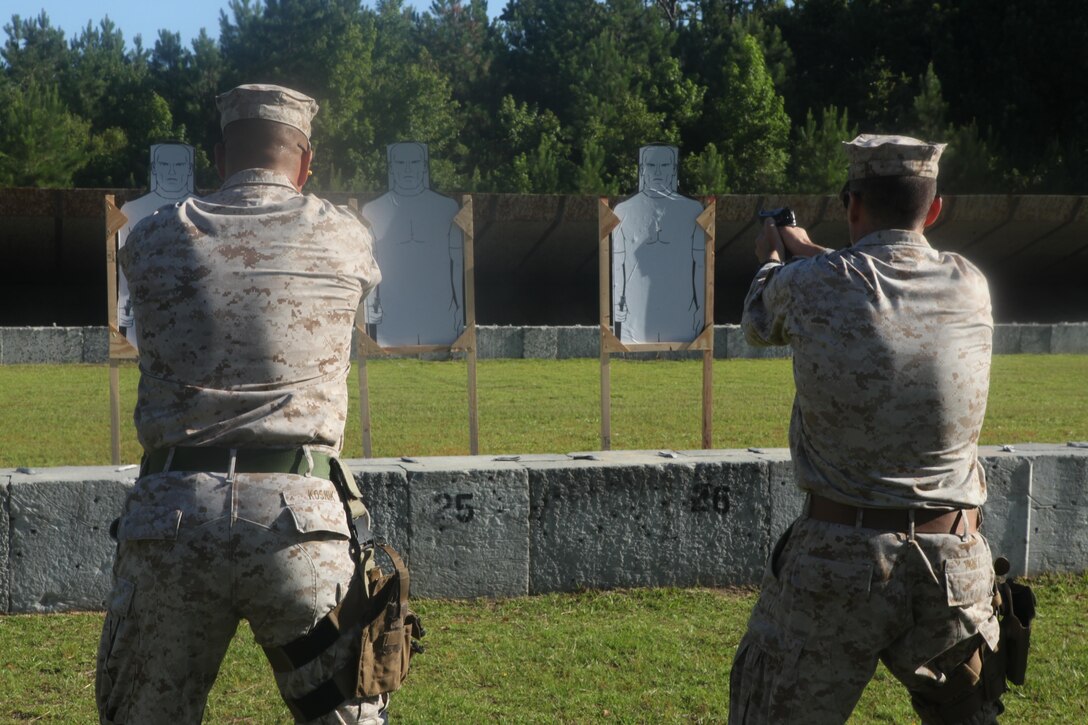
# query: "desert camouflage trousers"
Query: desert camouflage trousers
836,599
197,552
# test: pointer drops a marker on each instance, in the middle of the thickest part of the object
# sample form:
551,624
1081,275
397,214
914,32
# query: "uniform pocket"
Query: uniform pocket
825,580
149,523
313,517
763,680
969,580
116,667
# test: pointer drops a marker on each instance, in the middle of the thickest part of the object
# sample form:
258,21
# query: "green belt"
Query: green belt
247,460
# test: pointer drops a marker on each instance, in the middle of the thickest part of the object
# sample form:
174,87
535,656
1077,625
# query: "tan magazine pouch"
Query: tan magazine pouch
391,638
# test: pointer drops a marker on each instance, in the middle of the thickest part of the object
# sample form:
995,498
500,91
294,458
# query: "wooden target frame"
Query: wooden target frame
607,221
367,347
120,349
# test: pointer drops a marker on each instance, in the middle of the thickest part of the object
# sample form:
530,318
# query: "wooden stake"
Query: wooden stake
363,347
465,222
119,347
707,221
115,413
606,222
364,395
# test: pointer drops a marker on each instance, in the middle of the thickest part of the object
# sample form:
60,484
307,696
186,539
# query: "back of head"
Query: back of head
258,144
265,126
896,202
895,178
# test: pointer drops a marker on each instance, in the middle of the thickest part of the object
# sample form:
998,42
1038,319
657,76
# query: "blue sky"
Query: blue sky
145,17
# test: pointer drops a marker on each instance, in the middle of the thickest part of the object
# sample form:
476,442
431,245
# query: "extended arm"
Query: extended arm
775,243
764,317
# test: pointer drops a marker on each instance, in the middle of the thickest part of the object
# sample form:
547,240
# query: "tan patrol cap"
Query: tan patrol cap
871,155
267,102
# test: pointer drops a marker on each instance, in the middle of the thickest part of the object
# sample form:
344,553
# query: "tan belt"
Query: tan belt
926,521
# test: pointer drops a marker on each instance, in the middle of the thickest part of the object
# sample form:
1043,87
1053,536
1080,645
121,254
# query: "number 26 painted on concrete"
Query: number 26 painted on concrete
705,497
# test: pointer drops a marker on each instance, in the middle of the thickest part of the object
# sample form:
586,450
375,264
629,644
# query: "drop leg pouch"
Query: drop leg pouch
391,636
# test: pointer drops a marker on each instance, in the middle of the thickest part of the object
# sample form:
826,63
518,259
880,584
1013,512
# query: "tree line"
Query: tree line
556,96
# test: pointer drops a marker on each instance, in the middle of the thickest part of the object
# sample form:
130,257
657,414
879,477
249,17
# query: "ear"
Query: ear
221,161
853,212
304,168
934,211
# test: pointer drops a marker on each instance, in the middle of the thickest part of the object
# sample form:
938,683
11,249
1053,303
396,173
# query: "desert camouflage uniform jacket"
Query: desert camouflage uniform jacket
245,302
891,348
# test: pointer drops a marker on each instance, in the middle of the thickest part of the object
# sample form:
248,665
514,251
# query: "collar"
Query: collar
262,177
886,237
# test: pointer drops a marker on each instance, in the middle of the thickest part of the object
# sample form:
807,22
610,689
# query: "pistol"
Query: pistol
783,216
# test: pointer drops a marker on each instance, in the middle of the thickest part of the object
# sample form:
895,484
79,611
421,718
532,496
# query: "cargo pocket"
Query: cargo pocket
763,681
116,665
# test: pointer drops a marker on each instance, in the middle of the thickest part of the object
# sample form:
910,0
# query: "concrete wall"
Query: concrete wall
19,345
484,526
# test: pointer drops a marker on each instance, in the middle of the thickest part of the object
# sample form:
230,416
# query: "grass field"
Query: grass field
54,415
635,656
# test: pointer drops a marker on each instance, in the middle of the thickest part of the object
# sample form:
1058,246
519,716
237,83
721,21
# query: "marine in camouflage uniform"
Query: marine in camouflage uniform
245,302
891,343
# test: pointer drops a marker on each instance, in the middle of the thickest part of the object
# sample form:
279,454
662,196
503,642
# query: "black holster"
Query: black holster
1016,609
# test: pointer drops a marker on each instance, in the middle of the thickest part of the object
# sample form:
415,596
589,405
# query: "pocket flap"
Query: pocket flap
969,580
311,516
149,523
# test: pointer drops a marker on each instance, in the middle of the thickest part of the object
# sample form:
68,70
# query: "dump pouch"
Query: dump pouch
391,637
1016,609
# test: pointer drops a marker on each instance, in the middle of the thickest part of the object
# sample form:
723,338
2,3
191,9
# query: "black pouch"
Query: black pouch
1016,610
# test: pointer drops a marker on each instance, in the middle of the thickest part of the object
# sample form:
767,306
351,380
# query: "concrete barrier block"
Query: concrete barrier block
499,342
785,501
1006,339
540,342
5,542
61,553
1005,513
721,341
1035,339
96,344
1059,514
737,347
577,341
23,345
385,492
469,529
605,524
1069,338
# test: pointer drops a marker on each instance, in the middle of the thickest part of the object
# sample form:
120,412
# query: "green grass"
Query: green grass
56,415
629,656
633,656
